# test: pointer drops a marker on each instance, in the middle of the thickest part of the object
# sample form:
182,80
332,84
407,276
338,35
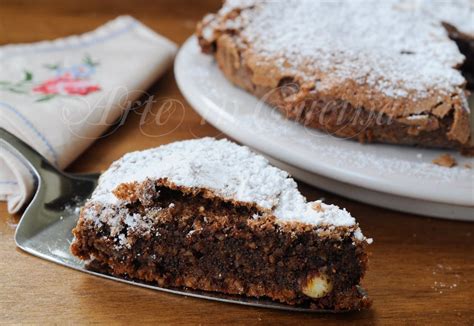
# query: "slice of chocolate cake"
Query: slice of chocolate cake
211,215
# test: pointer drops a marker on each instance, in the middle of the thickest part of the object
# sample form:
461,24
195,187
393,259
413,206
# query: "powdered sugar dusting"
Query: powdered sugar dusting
459,13
397,47
227,169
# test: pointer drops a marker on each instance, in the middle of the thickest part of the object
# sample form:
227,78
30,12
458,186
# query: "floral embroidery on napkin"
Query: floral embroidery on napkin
68,81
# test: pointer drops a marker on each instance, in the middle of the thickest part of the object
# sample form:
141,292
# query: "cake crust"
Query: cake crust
379,100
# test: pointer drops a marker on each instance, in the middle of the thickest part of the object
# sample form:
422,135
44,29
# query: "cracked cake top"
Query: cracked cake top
229,171
399,48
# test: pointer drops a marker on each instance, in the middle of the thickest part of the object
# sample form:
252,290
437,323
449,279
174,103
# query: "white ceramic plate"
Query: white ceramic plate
396,177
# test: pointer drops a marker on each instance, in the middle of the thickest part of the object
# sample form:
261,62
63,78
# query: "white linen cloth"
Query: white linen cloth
59,96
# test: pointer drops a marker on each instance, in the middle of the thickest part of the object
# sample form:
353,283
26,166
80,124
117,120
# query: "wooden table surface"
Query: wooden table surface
421,269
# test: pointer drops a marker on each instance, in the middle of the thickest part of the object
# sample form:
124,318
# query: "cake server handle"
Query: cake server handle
35,160
55,189
25,152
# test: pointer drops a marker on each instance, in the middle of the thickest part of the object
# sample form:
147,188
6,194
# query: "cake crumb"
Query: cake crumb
317,206
468,166
445,160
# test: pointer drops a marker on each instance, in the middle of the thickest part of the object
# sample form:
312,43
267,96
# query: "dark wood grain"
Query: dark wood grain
421,269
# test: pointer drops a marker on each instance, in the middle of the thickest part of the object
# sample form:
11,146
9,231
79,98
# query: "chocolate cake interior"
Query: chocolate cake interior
465,44
183,238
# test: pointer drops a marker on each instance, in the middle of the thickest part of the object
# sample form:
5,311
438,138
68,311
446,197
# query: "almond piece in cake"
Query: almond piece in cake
211,215
376,71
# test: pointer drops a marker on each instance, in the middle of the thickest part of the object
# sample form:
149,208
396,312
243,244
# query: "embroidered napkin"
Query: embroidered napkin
59,96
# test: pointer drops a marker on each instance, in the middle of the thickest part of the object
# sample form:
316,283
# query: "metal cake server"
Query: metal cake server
45,227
